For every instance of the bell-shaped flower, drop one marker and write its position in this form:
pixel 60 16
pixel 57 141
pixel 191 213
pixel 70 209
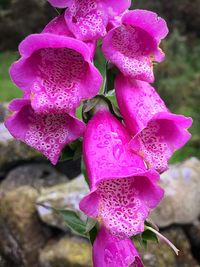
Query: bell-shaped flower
pixel 87 19
pixel 134 45
pixel 109 251
pixel 55 70
pixel 122 191
pixel 48 133
pixel 156 132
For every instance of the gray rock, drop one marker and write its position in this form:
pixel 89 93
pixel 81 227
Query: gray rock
pixel 66 252
pixel 69 252
pixel 161 255
pixel 193 234
pixel 181 203
pixel 36 175
pixel 2 262
pixel 12 150
pixel 62 196
pixel 21 233
pixel 3 111
pixel 14 27
pixel 5 135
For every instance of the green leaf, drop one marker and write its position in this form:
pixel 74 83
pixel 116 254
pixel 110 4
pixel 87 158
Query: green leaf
pixel 90 224
pixel 149 236
pixel 73 221
pixel 143 238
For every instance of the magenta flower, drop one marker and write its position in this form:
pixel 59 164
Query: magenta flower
pixel 134 45
pixel 58 26
pixel 56 72
pixel 60 3
pixel 157 132
pixel 109 251
pixel 48 133
pixel 122 191
pixel 87 19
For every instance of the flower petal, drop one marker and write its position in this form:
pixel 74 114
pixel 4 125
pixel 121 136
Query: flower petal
pixel 58 26
pixel 88 19
pixel 157 132
pixel 56 71
pixel 148 21
pixel 111 251
pixel 133 45
pixel 60 3
pixel 104 149
pixel 123 204
pixel 46 133
pixel 122 191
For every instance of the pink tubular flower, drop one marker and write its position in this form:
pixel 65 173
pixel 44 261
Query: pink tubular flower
pixel 109 251
pixel 87 19
pixel 157 132
pixel 135 44
pixel 56 71
pixel 122 190
pixel 48 133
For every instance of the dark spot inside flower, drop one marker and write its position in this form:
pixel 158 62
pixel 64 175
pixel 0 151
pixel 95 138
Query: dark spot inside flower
pixel 74 20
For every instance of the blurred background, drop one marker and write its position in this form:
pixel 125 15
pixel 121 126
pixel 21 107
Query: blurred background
pixel 31 236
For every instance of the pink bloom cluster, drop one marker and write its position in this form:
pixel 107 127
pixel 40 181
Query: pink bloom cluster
pixel 56 73
pixel 123 159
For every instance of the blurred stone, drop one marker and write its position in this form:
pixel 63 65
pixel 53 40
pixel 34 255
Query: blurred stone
pixel 12 150
pixel 21 233
pixel 5 263
pixel 181 203
pixel 22 17
pixel 193 234
pixel 71 168
pixel 3 111
pixel 36 175
pixel 163 256
pixel 67 252
pixel 5 135
pixel 2 262
pixel 62 196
